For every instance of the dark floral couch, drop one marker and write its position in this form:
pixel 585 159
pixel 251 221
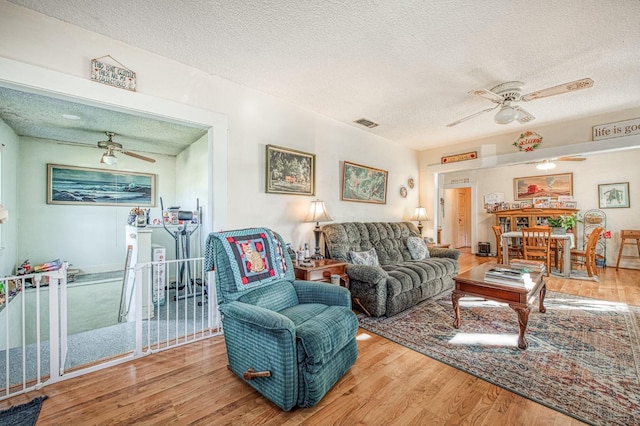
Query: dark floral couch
pixel 399 282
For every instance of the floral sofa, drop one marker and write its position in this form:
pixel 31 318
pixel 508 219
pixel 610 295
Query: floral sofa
pixel 398 281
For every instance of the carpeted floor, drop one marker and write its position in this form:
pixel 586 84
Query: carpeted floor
pixel 583 357
pixel 22 415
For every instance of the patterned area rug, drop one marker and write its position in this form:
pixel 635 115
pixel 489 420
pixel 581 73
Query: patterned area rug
pixel 22 415
pixel 583 357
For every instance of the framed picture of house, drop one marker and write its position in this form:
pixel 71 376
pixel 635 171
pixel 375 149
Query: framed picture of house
pixel 99 187
pixel 290 171
pixel 364 184
pixel 613 195
pixel 547 185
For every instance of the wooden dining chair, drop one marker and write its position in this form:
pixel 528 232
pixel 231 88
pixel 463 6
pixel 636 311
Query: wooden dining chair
pixel 587 256
pixel 515 251
pixel 536 245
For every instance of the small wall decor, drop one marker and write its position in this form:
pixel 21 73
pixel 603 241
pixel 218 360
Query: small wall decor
pixel 613 195
pixel 546 185
pixel 528 141
pixel 411 183
pixel 403 192
pixel 364 184
pixel 99 187
pixel 459 157
pixel 112 75
pixel 290 171
pixel 615 130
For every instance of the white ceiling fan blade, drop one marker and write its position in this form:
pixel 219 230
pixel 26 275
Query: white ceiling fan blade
pixel 524 116
pixel 585 83
pixel 455 123
pixel 138 156
pixel 487 94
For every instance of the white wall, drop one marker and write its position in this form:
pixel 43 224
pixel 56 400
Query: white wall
pixel 8 198
pixel 596 169
pixel 255 120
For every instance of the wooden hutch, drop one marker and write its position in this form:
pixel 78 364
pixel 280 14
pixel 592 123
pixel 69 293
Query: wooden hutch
pixel 516 219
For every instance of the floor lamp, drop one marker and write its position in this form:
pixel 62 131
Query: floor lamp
pixel 420 214
pixel 318 213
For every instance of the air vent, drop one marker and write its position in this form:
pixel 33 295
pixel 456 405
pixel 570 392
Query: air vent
pixel 366 123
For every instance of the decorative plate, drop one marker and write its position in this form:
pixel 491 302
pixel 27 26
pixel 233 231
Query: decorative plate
pixel 410 182
pixel 403 191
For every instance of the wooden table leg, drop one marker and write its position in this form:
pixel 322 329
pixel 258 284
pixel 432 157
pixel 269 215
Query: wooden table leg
pixel 455 297
pixel 523 319
pixel 543 292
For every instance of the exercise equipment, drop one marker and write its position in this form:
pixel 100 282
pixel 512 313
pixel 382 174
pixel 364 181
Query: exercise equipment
pixel 182 239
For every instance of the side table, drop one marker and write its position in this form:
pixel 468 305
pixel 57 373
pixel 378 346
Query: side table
pixel 322 270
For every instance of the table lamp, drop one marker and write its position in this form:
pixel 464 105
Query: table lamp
pixel 420 214
pixel 318 213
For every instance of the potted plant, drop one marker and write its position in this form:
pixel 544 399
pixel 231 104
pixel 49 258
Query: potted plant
pixel 556 225
pixel 562 224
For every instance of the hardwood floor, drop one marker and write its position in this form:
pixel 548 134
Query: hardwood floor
pixel 388 385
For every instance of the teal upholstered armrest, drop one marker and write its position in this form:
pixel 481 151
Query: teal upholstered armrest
pixel 444 252
pixel 257 316
pixel 320 292
pixel 367 273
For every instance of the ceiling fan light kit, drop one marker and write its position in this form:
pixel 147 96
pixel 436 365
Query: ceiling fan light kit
pixel 109 158
pixel 546 165
pixel 506 94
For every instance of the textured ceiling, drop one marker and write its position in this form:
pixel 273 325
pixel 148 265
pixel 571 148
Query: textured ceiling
pixel 406 65
pixel 44 117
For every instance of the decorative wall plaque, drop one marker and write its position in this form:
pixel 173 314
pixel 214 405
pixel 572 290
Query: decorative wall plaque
pixel 112 75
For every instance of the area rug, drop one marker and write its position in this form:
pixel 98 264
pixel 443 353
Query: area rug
pixel 583 357
pixel 22 415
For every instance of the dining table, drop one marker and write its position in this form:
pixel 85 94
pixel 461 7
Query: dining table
pixel 564 239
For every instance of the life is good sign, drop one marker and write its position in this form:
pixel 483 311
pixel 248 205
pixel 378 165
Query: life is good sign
pixel 617 129
pixel 113 75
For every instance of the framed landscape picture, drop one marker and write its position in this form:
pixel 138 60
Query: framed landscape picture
pixel 290 171
pixel 613 195
pixel 364 184
pixel 99 187
pixel 548 185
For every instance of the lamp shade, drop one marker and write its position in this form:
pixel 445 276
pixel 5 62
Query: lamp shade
pixel 506 115
pixel 420 214
pixel 318 212
pixel 546 165
pixel 109 158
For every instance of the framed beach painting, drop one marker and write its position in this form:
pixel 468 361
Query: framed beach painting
pixel 364 184
pixel 613 195
pixel 99 187
pixel 547 185
pixel 290 171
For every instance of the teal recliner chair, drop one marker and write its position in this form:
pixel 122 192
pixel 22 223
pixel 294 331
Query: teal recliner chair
pixel 290 340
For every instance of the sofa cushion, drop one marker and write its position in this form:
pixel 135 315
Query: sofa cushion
pixel 368 257
pixel 417 248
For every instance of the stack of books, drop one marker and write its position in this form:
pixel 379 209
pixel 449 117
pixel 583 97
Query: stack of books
pixel 509 276
pixel 528 265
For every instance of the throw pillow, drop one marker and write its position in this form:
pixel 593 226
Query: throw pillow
pixel 417 248
pixel 369 257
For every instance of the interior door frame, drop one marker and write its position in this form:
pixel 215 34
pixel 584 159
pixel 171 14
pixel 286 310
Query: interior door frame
pixel 473 208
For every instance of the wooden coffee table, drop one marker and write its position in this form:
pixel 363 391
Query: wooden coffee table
pixel 472 283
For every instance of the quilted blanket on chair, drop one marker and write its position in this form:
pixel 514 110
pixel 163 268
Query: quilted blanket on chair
pixel 256 256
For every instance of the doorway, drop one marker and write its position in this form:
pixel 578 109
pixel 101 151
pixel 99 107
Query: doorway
pixel 456 214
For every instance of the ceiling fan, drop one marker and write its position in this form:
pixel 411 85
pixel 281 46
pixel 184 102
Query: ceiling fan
pixel 505 96
pixel 549 164
pixel 109 158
